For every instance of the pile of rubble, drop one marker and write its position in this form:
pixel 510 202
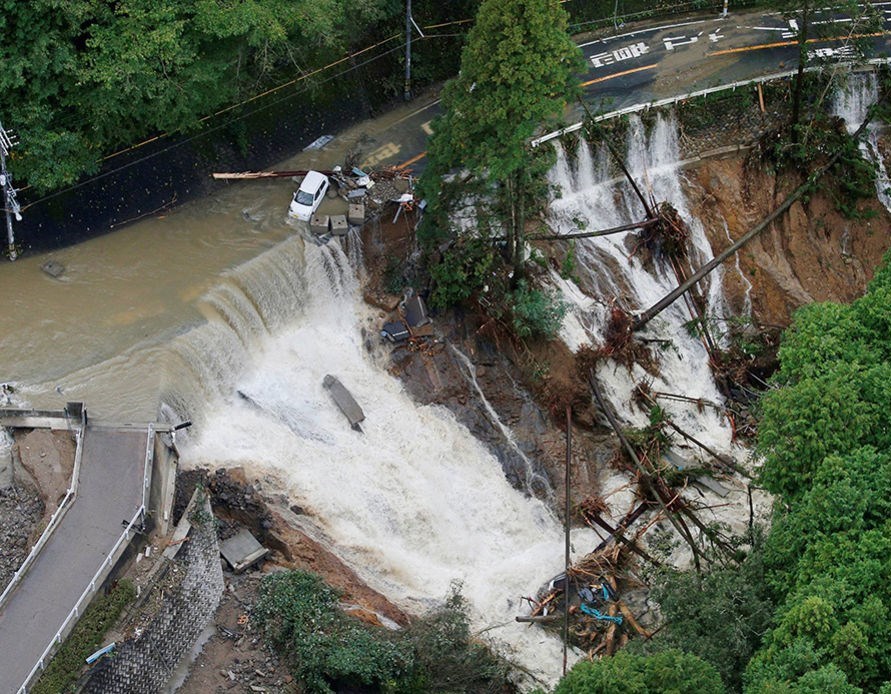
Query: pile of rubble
pixel 20 513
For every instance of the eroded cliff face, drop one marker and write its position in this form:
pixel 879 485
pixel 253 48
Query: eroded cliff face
pixel 812 253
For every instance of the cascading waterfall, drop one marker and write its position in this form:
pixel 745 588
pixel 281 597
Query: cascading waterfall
pixel 412 503
pixel 851 102
pixel 536 483
pixel 609 272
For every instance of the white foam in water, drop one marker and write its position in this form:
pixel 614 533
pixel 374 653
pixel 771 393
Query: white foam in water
pixel 414 502
pixel 852 102
pixel 610 273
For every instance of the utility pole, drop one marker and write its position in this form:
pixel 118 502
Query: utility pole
pixel 408 22
pixel 10 204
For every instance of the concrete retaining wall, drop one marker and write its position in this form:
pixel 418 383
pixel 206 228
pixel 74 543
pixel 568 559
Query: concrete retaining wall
pixel 144 665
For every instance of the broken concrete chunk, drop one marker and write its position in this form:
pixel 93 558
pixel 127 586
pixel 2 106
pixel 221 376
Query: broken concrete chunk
pixel 356 214
pixel 345 401
pixel 242 550
pixel 53 268
pixel 319 224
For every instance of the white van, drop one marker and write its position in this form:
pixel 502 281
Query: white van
pixel 309 195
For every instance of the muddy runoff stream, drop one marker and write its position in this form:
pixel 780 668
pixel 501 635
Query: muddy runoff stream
pixel 220 313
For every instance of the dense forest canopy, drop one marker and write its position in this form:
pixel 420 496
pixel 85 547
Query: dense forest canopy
pixel 83 78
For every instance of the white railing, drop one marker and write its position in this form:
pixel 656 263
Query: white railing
pixel 682 97
pixel 147 467
pixel 107 564
pixel 84 598
pixel 55 519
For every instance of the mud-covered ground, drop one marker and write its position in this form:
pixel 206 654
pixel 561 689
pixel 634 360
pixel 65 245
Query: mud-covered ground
pixel 34 481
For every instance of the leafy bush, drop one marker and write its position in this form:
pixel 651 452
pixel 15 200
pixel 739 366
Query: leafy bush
pixel 301 618
pixel 824 436
pixel 86 638
pixel 303 621
pixel 535 312
pixel 447 658
pixel 720 616
pixel 669 672
pixel 462 272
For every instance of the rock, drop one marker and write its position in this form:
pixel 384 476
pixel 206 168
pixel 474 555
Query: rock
pixel 53 268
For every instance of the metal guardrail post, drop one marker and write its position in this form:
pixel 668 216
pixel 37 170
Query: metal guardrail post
pixel 147 466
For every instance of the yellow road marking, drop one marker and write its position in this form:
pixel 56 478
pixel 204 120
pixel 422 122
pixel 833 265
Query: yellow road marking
pixel 416 158
pixel 390 149
pixel 780 44
pixel 619 74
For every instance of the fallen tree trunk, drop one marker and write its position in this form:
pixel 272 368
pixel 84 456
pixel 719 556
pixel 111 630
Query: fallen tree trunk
pixel 642 319
pixel 647 474
pixel 594 234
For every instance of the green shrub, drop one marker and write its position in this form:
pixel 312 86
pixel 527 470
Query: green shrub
pixel 535 313
pixel 669 672
pixel 302 620
pixel 463 271
pixel 825 435
pixel 448 659
pixel 720 616
pixel 86 638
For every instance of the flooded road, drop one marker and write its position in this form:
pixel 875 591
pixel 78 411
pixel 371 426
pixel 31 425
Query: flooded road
pixel 98 333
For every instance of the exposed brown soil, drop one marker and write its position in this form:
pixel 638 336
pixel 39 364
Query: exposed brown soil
pixel 48 458
pixel 42 463
pixel 813 253
pixel 235 658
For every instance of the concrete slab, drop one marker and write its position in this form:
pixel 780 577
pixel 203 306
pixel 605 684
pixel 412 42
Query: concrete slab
pixel 319 224
pixel 242 550
pixel 345 401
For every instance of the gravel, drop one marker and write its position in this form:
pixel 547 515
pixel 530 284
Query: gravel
pixel 20 513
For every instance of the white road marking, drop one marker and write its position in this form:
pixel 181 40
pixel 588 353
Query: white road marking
pixel 642 31
pixel 625 53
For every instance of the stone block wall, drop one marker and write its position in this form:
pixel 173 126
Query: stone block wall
pixel 143 665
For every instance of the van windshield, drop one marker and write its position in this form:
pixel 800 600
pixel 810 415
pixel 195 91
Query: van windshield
pixel 304 198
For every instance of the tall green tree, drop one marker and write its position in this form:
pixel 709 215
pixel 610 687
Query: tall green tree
pixel 824 436
pixel 518 71
pixel 82 77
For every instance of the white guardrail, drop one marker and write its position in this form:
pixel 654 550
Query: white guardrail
pixel 684 97
pixel 81 601
pixel 110 559
pixel 70 496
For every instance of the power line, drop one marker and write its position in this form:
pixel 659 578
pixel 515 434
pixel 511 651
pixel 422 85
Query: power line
pixel 202 133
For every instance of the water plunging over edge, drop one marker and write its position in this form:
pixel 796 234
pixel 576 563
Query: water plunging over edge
pixel 413 503
pixel 609 273
pixel 852 102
